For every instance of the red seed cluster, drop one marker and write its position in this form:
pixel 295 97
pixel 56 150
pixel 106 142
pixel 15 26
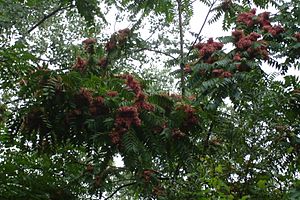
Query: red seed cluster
pixel 112 93
pixel 226 74
pixel 221 73
pixel 133 84
pixel 89 45
pixel 273 30
pixel 207 49
pixel 97 106
pixel 147 174
pixel 177 134
pixel 245 43
pixel 84 97
pixel 80 64
pixel 141 103
pixel 260 51
pixel 247 18
pixel 159 128
pixel 103 62
pixel 123 35
pixel 297 36
pixel 237 57
pixel 191 119
pixel 115 136
pixel 263 19
pixel 127 116
pixel 111 44
pixel 187 69
pixel 89 41
pixel 116 39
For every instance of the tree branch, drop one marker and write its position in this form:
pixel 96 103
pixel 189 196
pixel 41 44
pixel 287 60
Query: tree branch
pixel 60 8
pixel 181 47
pixel 119 188
pixel 206 142
pixel 201 29
pixel 155 51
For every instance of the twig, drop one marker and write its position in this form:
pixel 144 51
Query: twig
pixel 206 142
pixel 201 29
pixel 46 17
pixel 181 47
pixel 138 22
pixel 119 188
pixel 156 51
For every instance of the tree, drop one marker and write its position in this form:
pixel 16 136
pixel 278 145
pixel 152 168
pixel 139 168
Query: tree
pixel 228 131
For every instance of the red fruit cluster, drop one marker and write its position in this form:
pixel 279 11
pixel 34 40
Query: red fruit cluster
pixel 190 120
pixel 89 41
pixel 133 84
pixel 160 128
pixel 187 69
pixel 112 93
pixel 263 20
pixel 207 49
pixel 247 17
pixel 123 35
pixel 97 106
pixel 240 67
pixel 158 191
pixel 177 134
pixel 127 116
pixel 116 39
pixel 260 51
pixel 221 73
pixel 237 57
pixel 33 120
pixel 90 168
pixel 141 103
pixel 111 44
pixel 297 36
pixel 89 45
pixel 250 19
pixel 80 64
pixel 83 98
pixel 243 42
pixel 147 174
pixel 115 135
pixel 274 30
pixel 103 62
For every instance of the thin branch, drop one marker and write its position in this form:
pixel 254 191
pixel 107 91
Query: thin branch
pixel 179 3
pixel 60 8
pixel 119 188
pixel 206 142
pixel 201 29
pixel 156 51
pixel 138 22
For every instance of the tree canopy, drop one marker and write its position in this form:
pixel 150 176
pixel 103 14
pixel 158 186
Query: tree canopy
pixel 149 110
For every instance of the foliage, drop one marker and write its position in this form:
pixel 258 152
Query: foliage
pixel 68 111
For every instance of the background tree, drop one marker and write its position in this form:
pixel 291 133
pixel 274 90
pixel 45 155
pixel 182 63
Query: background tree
pixel 67 110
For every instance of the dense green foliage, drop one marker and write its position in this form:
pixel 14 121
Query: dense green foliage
pixel 70 113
